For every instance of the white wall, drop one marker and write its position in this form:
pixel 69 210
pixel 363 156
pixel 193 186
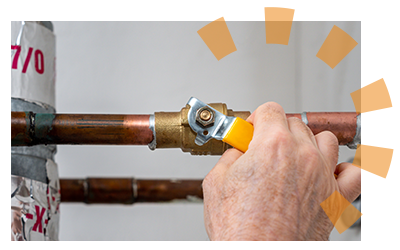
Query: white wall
pixel 143 67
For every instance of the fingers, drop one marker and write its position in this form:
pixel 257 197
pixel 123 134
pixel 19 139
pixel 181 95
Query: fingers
pixel 223 164
pixel 300 130
pixel 329 147
pixel 349 180
pixel 270 117
pixel 267 118
pixel 228 158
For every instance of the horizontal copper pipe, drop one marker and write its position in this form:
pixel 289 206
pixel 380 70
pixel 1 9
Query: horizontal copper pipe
pixel 342 124
pixel 30 129
pixel 20 129
pixel 128 190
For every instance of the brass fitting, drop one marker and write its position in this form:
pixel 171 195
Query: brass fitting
pixel 173 131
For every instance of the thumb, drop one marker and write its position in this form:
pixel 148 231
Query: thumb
pixel 349 180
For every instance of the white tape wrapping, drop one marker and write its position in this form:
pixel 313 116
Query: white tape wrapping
pixel 35 207
pixel 32 62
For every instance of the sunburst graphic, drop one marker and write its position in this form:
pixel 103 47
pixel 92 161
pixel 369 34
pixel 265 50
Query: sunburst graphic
pixel 337 45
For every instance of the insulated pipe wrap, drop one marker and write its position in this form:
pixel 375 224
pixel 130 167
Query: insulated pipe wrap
pixel 35 195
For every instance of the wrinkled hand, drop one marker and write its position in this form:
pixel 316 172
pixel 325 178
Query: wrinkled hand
pixel 274 190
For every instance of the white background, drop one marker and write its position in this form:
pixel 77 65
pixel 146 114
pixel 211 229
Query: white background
pixel 142 67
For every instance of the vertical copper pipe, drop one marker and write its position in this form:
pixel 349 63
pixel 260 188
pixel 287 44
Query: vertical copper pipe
pixel 128 190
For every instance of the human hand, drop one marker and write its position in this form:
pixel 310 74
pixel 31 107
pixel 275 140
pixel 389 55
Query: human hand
pixel 274 190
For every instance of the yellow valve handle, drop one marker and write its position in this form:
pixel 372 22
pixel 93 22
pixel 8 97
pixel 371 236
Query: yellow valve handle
pixel 239 135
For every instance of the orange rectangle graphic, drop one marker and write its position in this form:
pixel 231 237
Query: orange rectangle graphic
pixel 278 24
pixel 372 97
pixel 336 46
pixel 217 37
pixel 340 211
pixel 373 159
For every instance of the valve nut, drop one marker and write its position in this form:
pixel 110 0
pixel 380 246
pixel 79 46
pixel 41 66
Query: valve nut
pixel 205 116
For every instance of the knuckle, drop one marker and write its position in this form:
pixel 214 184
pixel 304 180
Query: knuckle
pixel 298 123
pixel 272 107
pixel 208 181
pixel 332 137
pixel 268 107
pixel 278 137
pixel 282 135
pixel 279 141
pixel 213 179
pixel 310 153
pixel 294 121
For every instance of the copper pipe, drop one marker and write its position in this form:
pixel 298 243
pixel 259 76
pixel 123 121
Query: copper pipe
pixel 30 129
pixel 20 129
pixel 168 190
pixel 128 190
pixel 172 130
pixel 342 124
